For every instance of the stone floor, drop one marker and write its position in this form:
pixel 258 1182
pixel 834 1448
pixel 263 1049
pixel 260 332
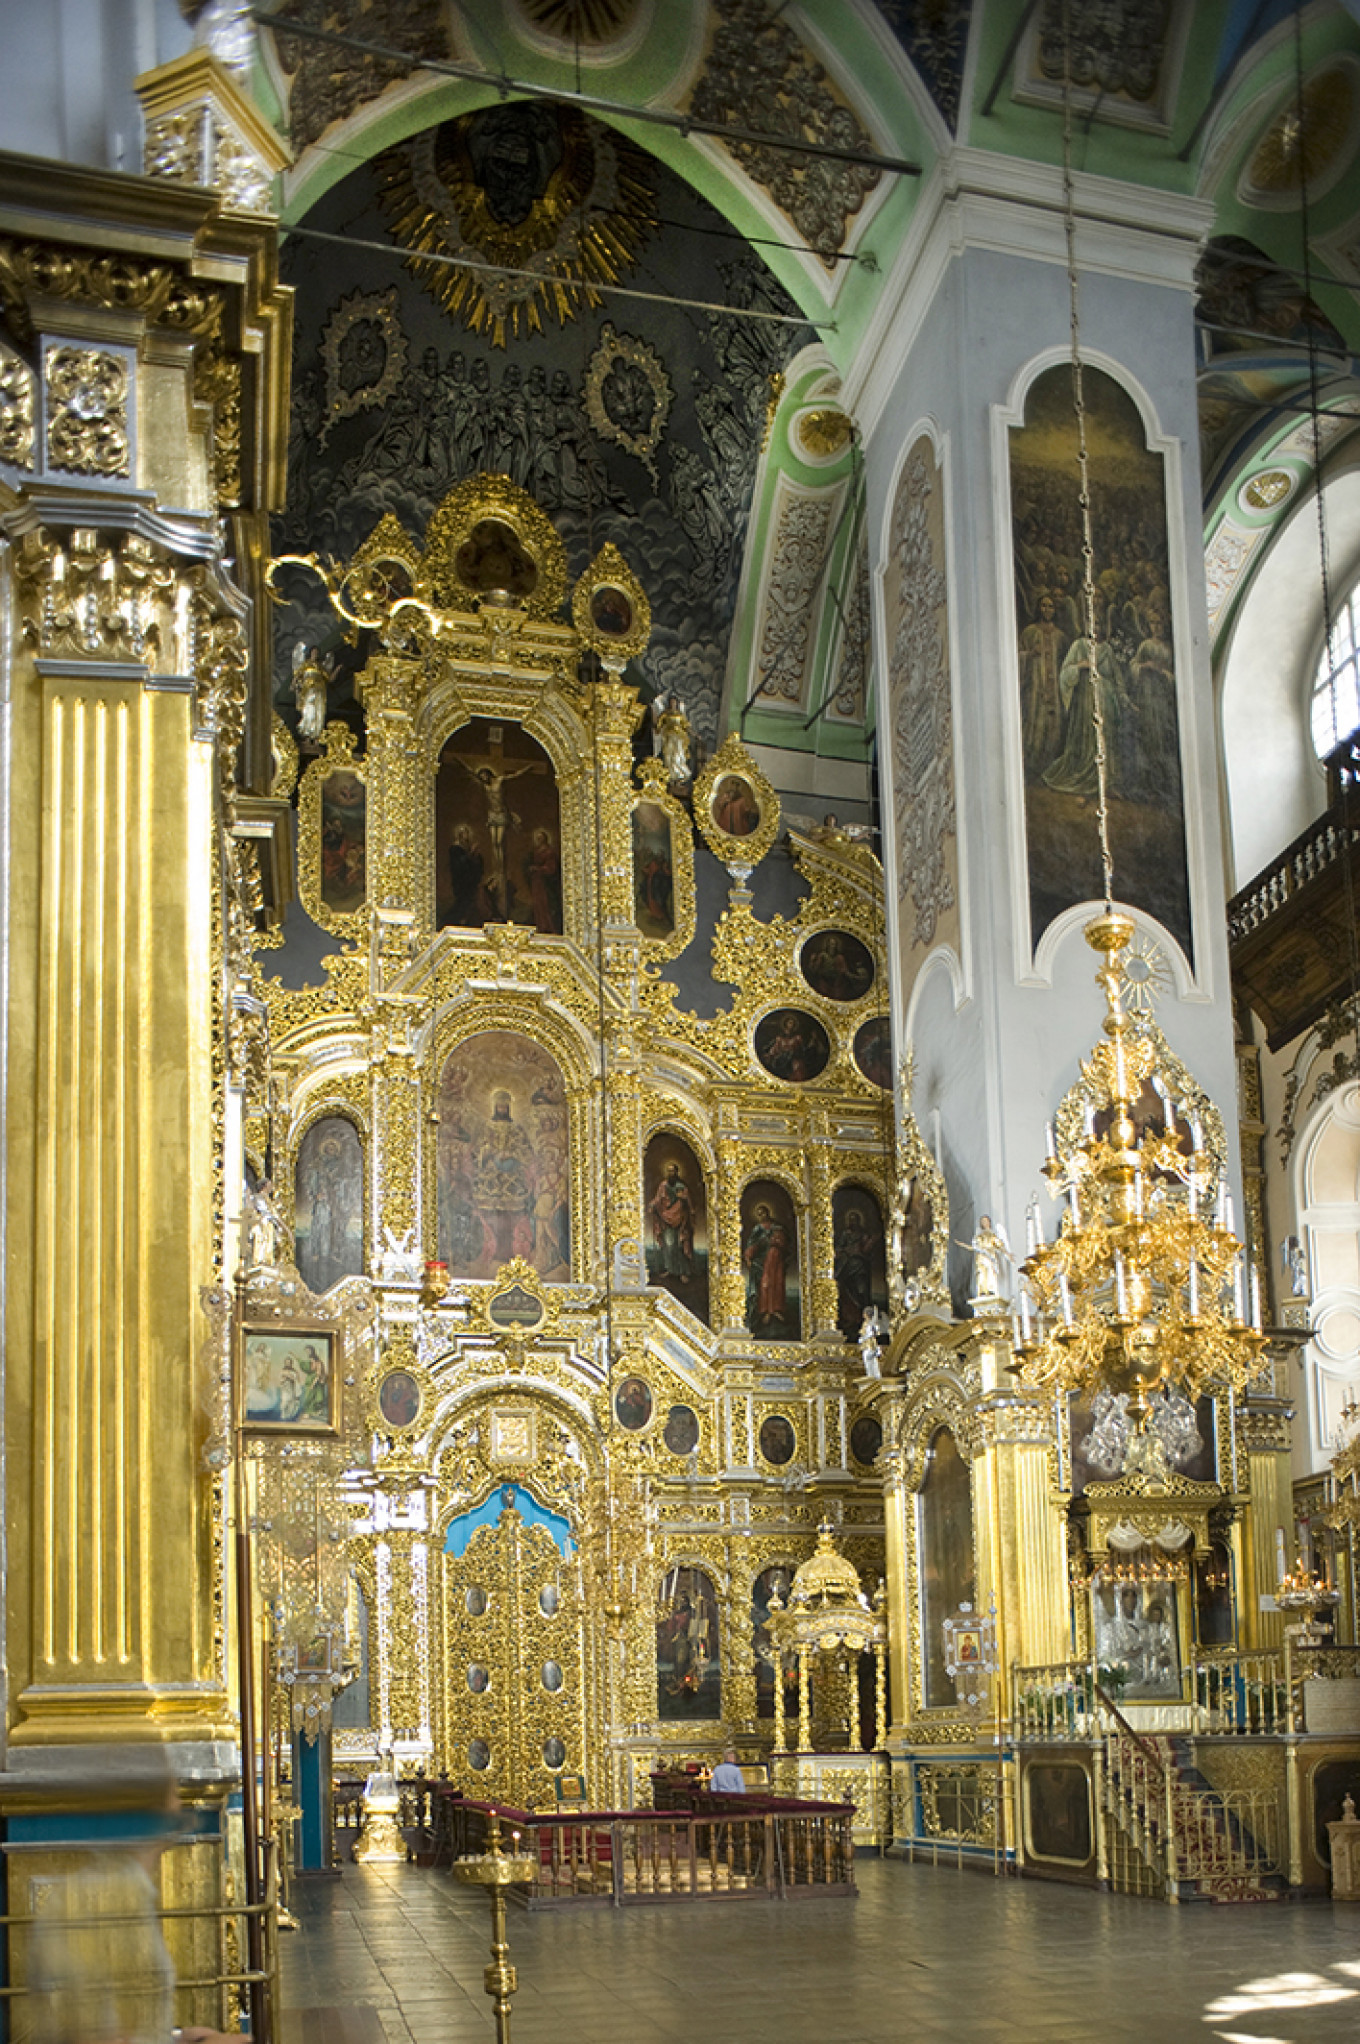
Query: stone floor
pixel 919 1954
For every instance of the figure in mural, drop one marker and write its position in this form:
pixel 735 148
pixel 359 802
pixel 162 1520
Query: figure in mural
pixel 688 1669
pixel 672 1213
pixel 1133 673
pixel 853 1272
pixel 676 1222
pixel 766 1253
pixel 503 1167
pixel 328 1203
pixel 1043 646
pixel 1073 772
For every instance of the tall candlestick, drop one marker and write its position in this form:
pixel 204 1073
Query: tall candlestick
pixel 1280 1569
pixel 1255 1298
pixel 1238 1315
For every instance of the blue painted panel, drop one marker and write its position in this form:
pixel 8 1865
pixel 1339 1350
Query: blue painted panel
pixel 489 1513
pixel 312 1775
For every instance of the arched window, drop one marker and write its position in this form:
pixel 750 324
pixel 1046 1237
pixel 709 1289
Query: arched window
pixel 1335 707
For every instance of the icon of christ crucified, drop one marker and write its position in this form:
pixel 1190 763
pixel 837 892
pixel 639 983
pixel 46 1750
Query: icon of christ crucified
pixel 491 773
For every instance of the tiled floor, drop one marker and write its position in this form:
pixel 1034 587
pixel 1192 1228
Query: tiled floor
pixel 919 1955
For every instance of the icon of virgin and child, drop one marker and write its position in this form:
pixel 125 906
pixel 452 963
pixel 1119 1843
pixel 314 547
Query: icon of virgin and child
pixel 503 1181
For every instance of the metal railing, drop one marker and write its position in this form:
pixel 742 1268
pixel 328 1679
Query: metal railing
pixel 1245 1695
pixel 231 1982
pixel 1188 1838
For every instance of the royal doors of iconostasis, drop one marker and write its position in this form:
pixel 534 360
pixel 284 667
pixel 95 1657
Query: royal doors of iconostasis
pixel 514 1668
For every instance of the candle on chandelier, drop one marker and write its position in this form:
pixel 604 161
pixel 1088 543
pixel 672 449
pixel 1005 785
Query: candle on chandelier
pixel 1280 1569
pixel 1065 1295
pixel 1024 1319
pixel 1256 1298
pixel 1050 1143
pixel 1238 1315
pixel 1120 1299
pixel 1194 1289
pixel 1033 1233
pixel 1074 1201
pixel 1196 1134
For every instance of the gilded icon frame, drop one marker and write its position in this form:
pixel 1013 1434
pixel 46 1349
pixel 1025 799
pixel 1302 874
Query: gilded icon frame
pixel 338 758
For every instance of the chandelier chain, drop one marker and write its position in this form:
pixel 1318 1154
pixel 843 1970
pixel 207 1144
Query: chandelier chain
pixel 1088 587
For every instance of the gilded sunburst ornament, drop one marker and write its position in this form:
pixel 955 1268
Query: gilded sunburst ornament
pixel 1146 976
pixel 536 187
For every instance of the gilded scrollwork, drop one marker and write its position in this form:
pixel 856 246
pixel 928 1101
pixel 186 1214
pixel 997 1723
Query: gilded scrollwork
pixel 18 406
pixel 88 428
pixel 918 1225
pixel 518 557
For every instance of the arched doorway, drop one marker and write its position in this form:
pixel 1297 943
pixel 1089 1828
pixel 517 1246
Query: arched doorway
pixel 514 1673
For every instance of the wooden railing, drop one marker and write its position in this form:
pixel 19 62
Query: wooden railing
pixel 739 1846
pixel 1316 848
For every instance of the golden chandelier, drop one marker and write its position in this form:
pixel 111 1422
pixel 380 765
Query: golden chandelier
pixel 1142 1288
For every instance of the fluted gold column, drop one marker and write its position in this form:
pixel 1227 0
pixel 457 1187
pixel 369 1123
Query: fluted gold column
pixel 1263 1429
pixel 1018 1530
pixel 129 901
pixel 111 1224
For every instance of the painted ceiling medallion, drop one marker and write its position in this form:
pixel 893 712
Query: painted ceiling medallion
pixel 1263 492
pixel 822 432
pixel 582 21
pixel 533 186
pixel 629 395
pixel 1319 145
pixel 364 352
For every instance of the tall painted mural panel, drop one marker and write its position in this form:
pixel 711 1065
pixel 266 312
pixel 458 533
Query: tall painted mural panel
pixel 1133 675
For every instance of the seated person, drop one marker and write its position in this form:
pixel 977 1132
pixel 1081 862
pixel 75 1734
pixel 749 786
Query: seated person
pixel 728 1779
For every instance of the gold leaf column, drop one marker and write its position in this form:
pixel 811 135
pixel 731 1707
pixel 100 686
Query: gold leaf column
pixel 127 896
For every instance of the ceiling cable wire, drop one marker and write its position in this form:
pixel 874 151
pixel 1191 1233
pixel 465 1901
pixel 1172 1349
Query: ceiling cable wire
pixel 506 87
pixel 572 285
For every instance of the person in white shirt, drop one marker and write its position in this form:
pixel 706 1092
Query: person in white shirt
pixel 728 1779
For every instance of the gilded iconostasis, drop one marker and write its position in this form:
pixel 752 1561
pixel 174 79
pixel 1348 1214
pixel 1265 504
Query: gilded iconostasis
pixel 583 1069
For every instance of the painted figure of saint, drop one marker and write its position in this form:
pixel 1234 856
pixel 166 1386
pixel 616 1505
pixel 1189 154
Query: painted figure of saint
pixel 853 1272
pixel 766 1259
pixel 672 1212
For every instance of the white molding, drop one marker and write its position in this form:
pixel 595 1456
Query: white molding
pixel 944 958
pixel 788 489
pixel 975 199
pixel 1042 972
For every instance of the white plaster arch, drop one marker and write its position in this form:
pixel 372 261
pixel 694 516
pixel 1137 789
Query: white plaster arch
pixel 1204 880
pixel 1325 1188
pixel 1274 783
pixel 1075 919
pixel 944 962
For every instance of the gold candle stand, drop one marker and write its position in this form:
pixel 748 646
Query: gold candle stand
pixel 496 1871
